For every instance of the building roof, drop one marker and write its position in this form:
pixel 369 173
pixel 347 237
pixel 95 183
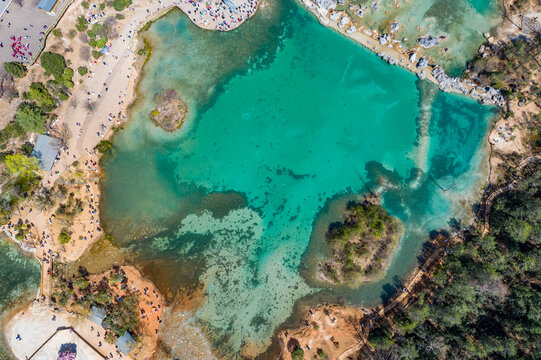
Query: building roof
pixel 45 151
pixel 47 5
pixel 125 343
pixel 97 314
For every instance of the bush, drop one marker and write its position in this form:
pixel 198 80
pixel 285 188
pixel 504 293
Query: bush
pixel 57 32
pixel 81 24
pixel 96 54
pixel 85 4
pixel 119 16
pixel 82 70
pixel 15 69
pixel 29 117
pixel 72 33
pixel 64 237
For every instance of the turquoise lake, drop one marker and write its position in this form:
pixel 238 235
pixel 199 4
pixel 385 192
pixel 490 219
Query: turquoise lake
pixel 286 117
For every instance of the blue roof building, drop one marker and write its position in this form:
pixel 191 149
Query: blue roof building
pixel 45 151
pixel 125 343
pixel 47 5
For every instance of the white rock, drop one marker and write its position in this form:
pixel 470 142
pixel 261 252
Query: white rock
pixel 351 29
pixel 343 22
pixel 413 57
pixel 335 15
pixel 395 26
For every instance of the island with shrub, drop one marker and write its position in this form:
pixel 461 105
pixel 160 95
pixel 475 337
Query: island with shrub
pixel 361 245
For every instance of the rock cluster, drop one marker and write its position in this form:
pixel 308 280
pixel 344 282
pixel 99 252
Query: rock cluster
pixel 428 42
pixel 423 62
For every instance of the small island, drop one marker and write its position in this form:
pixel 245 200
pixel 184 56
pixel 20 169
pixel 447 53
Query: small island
pixel 360 246
pixel 170 110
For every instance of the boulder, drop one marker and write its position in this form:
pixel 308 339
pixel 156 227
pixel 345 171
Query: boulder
pixel 423 62
pixel 428 42
pixel 395 26
pixel 351 29
pixel 413 57
pixel 343 21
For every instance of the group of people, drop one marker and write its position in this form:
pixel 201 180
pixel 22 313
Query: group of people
pixel 226 13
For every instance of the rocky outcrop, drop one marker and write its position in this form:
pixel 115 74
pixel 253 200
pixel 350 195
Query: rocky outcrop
pixel 170 110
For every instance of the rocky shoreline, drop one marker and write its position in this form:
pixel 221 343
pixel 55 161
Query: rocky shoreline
pixel 390 49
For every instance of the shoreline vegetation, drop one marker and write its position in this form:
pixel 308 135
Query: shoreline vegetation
pixel 362 245
pixel 64 95
pixel 476 293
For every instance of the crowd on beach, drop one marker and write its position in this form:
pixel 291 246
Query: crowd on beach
pixel 227 14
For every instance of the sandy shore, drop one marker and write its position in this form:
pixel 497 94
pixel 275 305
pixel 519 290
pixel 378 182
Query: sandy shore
pixel 97 106
pixel 35 325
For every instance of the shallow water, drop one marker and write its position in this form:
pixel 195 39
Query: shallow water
pixel 19 282
pixel 463 22
pixel 285 116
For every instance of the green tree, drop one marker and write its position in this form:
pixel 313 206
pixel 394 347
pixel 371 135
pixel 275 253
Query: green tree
pixel 41 96
pixel 64 237
pixel 82 70
pixel 81 24
pixel 15 69
pixel 21 165
pixel 29 117
pixel 53 64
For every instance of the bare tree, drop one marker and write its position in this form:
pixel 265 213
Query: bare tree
pixel 65 134
pixel 84 53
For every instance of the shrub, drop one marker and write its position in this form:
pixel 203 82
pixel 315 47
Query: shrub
pixel 82 70
pixel 85 4
pixel 72 33
pixel 15 69
pixel 64 237
pixel 297 354
pixel 57 32
pixel 96 54
pixel 12 130
pixel 120 5
pixel 104 146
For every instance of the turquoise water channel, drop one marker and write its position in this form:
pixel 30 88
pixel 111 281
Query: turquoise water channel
pixel 285 116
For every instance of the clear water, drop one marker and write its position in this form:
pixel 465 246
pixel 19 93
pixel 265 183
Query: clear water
pixel 463 22
pixel 285 116
pixel 19 282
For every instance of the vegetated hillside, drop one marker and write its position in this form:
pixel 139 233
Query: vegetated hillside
pixel 484 302
pixel 361 245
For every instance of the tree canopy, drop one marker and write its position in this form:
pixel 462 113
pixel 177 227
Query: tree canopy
pixel 21 165
pixel 30 117
pixel 15 69
pixel 484 302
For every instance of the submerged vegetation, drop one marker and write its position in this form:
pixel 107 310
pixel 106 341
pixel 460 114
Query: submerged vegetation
pixel 484 301
pixel 362 244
